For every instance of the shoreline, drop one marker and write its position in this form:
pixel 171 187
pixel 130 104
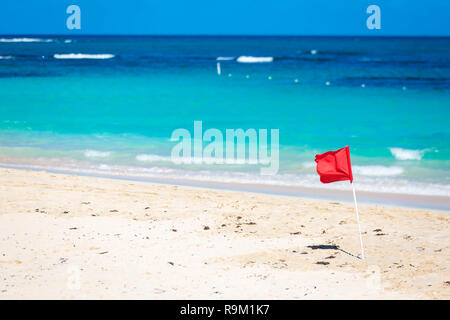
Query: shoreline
pixel 369 197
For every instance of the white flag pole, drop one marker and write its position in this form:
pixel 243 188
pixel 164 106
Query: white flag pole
pixel 359 225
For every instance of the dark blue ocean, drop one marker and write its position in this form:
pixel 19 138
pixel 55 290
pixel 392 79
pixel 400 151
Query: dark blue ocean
pixel 108 105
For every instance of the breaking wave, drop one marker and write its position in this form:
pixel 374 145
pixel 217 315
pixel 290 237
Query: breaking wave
pixel 249 59
pixel 25 40
pixel 407 154
pixel 83 56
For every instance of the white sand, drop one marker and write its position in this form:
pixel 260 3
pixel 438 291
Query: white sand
pixel 65 236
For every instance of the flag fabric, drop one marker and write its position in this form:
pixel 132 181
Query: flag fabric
pixel 334 166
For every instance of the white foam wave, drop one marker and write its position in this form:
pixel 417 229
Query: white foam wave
pixel 83 56
pixel 225 58
pixel 249 59
pixel 378 171
pixel 25 40
pixel 395 185
pixel 6 57
pixel 96 154
pixel 373 184
pixel 407 154
pixel 369 171
pixel 202 160
pixel 152 158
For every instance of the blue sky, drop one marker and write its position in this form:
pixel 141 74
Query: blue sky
pixel 227 17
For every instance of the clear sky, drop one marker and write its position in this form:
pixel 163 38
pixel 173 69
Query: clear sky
pixel 227 17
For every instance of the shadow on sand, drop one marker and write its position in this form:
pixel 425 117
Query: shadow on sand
pixel 331 247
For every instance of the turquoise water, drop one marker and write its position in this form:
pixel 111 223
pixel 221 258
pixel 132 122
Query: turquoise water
pixel 388 99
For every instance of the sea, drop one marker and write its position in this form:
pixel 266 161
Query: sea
pixel 108 105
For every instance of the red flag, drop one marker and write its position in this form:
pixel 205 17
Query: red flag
pixel 334 166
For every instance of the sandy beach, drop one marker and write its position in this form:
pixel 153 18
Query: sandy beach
pixel 73 237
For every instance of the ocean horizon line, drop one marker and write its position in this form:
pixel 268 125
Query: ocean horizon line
pixel 226 36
